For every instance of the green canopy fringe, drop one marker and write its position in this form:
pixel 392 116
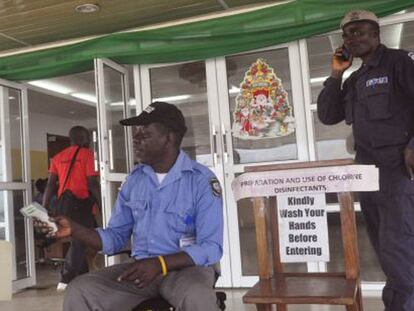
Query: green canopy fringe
pixel 197 40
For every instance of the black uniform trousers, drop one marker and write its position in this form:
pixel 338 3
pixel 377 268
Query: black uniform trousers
pixel 389 215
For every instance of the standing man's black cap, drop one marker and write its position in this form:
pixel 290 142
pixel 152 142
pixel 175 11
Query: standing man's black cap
pixel 160 112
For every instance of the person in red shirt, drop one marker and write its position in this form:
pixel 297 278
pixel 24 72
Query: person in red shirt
pixel 83 183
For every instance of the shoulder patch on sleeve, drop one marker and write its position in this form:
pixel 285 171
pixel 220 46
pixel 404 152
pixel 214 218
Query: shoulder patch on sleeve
pixel 411 55
pixel 215 187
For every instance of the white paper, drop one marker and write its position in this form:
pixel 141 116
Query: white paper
pixel 303 228
pixel 38 211
pixel 309 180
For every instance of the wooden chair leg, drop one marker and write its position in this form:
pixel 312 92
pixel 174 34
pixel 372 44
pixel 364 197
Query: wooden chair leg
pixel 263 307
pixel 359 300
pixel 280 307
pixel 353 307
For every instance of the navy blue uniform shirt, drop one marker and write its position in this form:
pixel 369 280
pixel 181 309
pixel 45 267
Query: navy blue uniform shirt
pixel 378 100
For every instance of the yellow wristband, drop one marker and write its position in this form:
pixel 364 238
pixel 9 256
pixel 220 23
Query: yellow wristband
pixel 163 265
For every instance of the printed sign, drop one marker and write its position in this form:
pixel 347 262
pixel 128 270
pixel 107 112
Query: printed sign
pixel 303 228
pixel 306 181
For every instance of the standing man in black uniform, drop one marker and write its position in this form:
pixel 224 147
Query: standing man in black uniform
pixel 378 101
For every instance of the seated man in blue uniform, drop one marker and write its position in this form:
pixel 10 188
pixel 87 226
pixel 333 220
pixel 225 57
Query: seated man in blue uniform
pixel 171 208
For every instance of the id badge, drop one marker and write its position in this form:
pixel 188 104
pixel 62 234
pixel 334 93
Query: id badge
pixel 187 240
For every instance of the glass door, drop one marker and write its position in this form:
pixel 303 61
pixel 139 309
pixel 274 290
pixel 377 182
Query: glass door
pixel 263 122
pixel 193 88
pixel 114 140
pixel 15 183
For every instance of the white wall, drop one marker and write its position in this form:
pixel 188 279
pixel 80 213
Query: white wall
pixel 40 125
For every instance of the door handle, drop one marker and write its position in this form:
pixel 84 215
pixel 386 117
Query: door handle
pixel 95 150
pixel 111 150
pixel 224 136
pixel 214 149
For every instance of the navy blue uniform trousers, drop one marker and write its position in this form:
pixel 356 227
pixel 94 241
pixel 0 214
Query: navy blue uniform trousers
pixel 389 215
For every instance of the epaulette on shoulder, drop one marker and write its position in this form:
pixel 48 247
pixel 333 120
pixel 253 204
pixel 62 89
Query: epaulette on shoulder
pixel 203 170
pixel 136 168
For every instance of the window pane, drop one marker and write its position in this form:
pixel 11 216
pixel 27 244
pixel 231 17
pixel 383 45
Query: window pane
pixel 2 233
pixel 14 201
pixel 248 240
pixel 12 137
pixel 333 141
pixel 115 187
pixel 114 107
pixel 185 85
pixel 51 116
pixel 370 268
pixel 320 51
pixel 261 107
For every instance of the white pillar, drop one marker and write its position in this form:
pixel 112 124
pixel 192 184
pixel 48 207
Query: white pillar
pixel 6 268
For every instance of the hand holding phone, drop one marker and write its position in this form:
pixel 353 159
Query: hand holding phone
pixel 341 61
pixel 345 54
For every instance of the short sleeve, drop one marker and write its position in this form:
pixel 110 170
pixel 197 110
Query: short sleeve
pixel 53 167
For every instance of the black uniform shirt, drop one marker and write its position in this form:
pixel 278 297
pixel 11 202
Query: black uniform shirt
pixel 378 100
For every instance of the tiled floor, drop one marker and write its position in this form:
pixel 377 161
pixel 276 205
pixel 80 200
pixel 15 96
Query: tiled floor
pixel 49 300
pixel 234 303
pixel 44 298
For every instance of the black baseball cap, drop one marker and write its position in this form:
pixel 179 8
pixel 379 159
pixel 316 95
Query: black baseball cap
pixel 160 112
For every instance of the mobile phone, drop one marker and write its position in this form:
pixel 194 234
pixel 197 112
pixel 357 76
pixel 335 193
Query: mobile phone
pixel 346 55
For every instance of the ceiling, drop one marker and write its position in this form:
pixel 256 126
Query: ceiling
pixel 134 13
pixel 26 23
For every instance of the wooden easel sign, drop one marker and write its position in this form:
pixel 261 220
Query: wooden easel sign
pixel 299 232
pixel 303 228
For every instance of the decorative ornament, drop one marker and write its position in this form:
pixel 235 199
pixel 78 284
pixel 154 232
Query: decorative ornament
pixel 262 106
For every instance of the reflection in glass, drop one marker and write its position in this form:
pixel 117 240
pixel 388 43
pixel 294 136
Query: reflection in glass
pixel 115 187
pixel 405 35
pixel 2 233
pixel 320 51
pixel 14 201
pixel 2 210
pixel 333 141
pixel 12 136
pixel 370 268
pixel 185 85
pixel 132 102
pixel 114 107
pixel 248 240
pixel 261 107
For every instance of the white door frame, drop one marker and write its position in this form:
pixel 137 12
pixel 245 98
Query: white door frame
pixel 24 185
pixel 105 139
pixel 230 169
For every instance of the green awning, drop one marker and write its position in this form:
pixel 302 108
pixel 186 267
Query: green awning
pixel 197 40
